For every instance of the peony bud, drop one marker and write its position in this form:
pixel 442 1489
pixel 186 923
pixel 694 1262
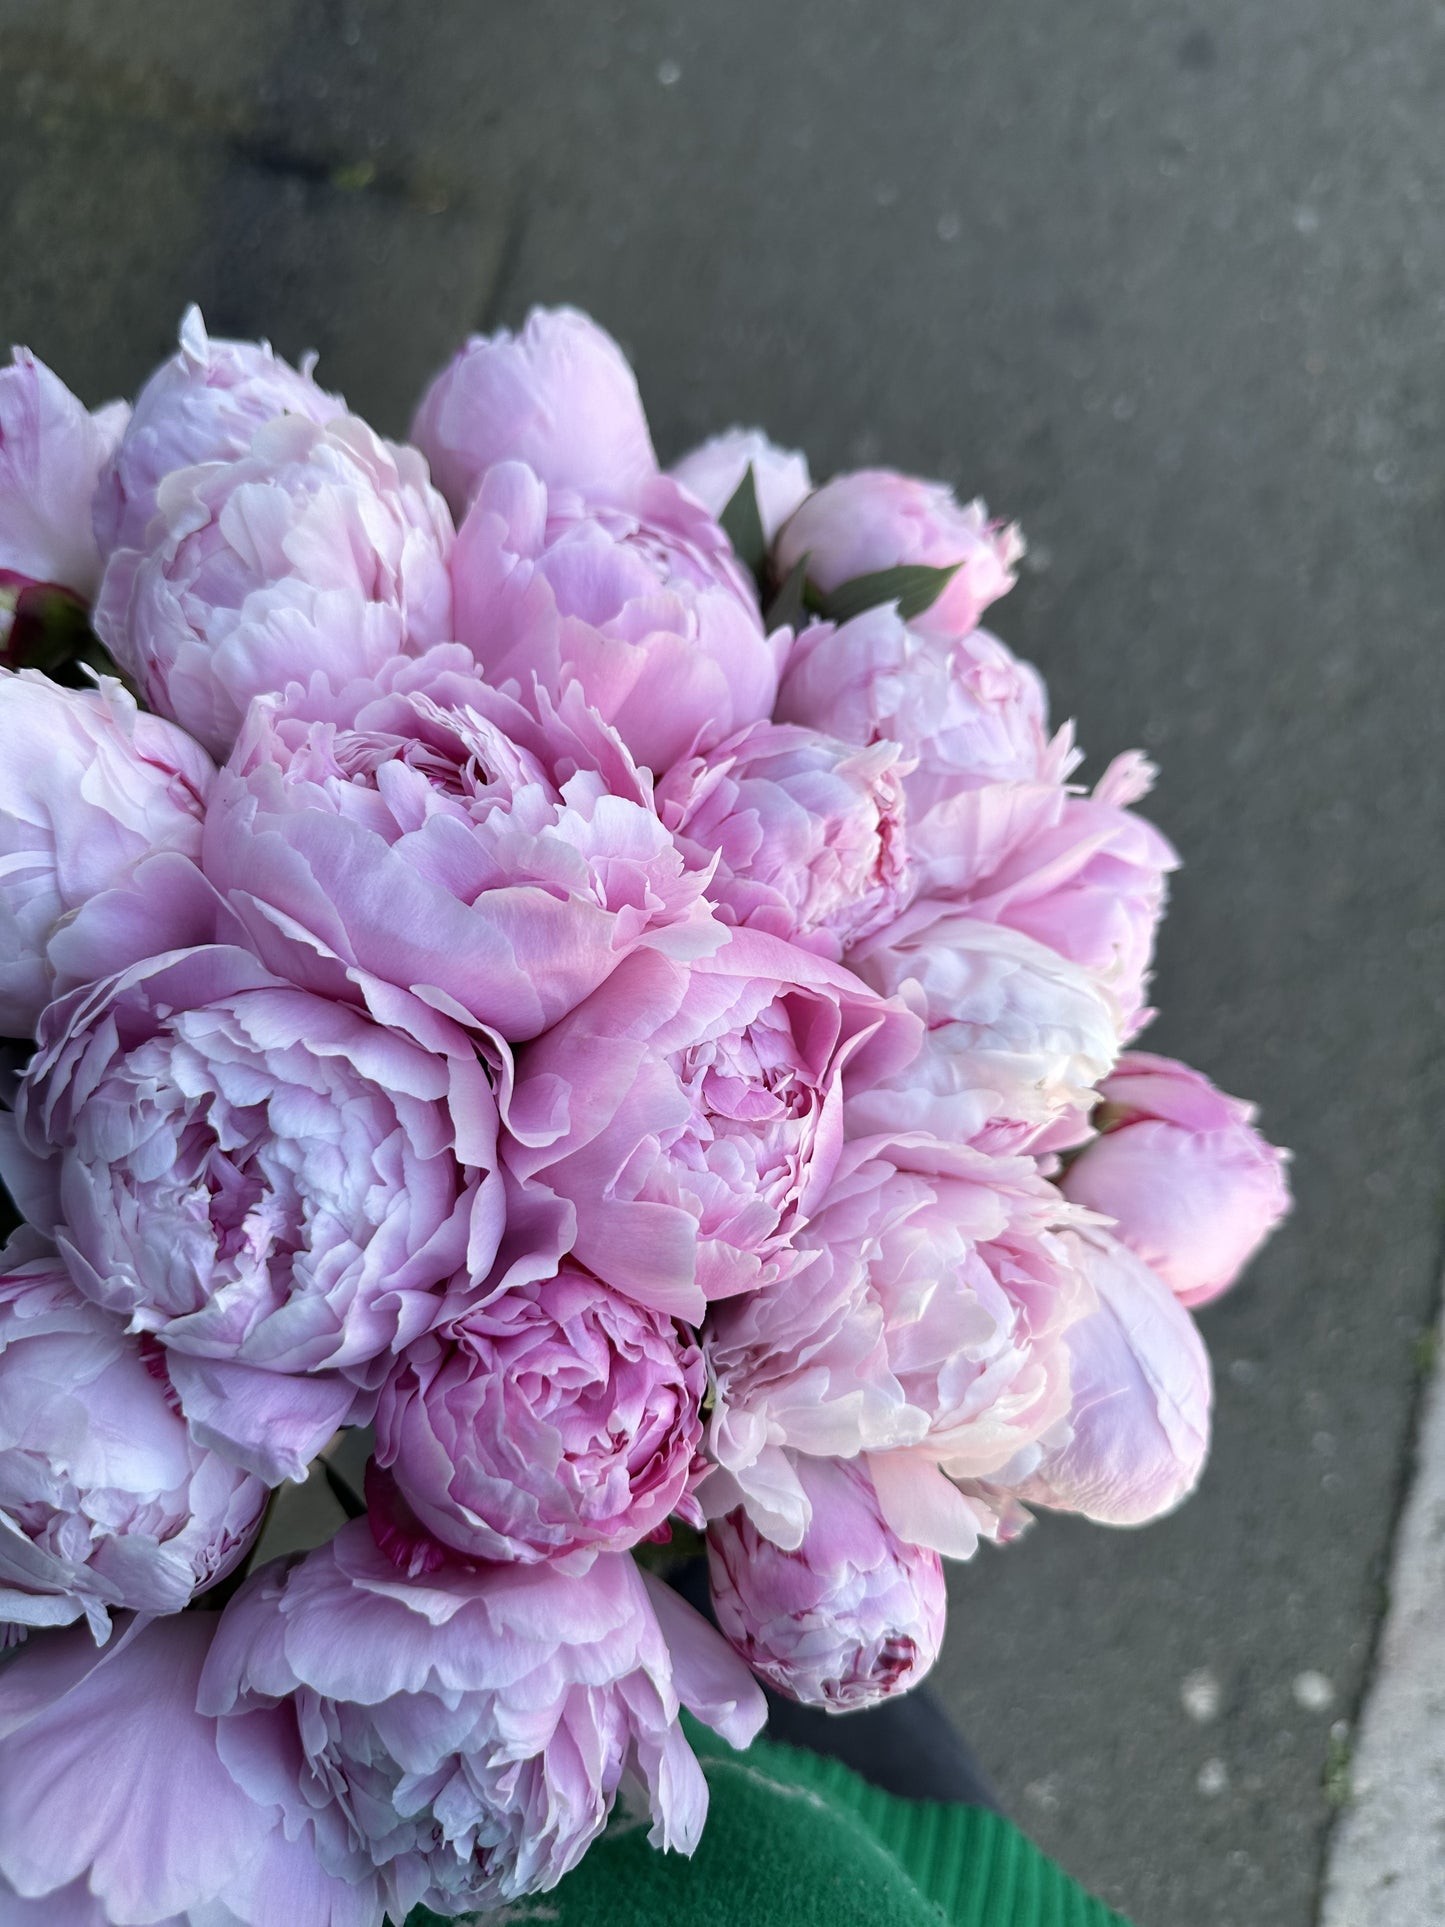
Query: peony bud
pixel 559 396
pixel 1139 1391
pixel 1193 1188
pixel 852 1617
pixel 714 472
pixel 863 523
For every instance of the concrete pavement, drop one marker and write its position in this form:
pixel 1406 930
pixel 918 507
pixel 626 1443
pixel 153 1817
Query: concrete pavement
pixel 1386 1860
pixel 1166 281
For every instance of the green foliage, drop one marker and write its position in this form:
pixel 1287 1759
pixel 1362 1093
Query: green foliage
pixel 790 605
pixel 666 1555
pixel 51 632
pixel 913 586
pixel 742 524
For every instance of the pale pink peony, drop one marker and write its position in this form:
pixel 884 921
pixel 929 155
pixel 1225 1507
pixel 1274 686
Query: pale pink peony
pixel 426 829
pixel 323 548
pixel 1193 1188
pixel 51 454
pixel 1090 885
pixel 559 396
pixel 971 717
pixel 1138 1421
pixel 462 1737
pixel 270 1182
pixel 929 1320
pixel 642 602
pixel 203 405
pixel 808 832
pixel 558 1420
pixel 850 1617
pixel 874 519
pixel 116 1809
pixel 105 1499
pixel 692 1117
pixel 713 474
pixel 90 788
pixel 1017 1036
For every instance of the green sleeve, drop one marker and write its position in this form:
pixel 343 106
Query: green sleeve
pixel 794 1840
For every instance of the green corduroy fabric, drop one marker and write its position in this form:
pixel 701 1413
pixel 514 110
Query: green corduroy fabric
pixel 794 1840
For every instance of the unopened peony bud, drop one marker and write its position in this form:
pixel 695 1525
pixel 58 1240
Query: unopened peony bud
pixel 559 396
pixel 874 519
pixel 850 1618
pixel 714 472
pixel 1192 1186
pixel 1139 1389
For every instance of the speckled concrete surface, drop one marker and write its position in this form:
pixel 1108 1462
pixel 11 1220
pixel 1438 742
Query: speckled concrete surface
pixel 1386 1865
pixel 1165 281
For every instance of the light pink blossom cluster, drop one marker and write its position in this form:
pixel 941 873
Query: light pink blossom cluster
pixel 606 976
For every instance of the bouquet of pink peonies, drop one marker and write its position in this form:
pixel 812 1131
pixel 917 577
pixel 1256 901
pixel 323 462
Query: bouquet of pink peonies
pixel 605 977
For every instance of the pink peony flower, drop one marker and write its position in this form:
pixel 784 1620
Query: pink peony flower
pixel 105 1499
pixel 642 602
pixel 90 788
pixel 556 1420
pixel 559 396
pixel 1193 1188
pixel 808 833
pixel 203 405
pixel 429 830
pixel 692 1117
pixel 930 1319
pixel 863 523
pixel 465 1735
pixel 850 1617
pixel 1139 1398
pixel 51 455
pixel 264 1179
pixel 1090 885
pixel 323 548
pixel 1017 1037
pixel 116 1809
pixel 713 473
pixel 971 718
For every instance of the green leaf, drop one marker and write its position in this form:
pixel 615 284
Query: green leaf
pixel 663 1556
pixel 790 605
pixel 913 586
pixel 49 629
pixel 742 524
